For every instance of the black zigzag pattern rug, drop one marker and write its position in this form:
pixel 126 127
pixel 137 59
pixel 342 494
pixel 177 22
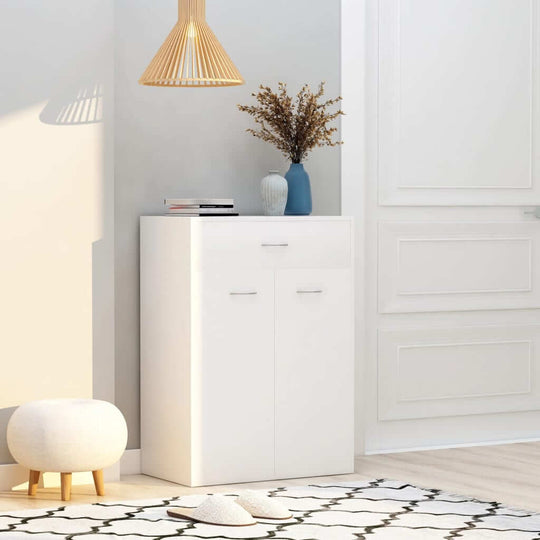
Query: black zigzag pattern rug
pixel 378 510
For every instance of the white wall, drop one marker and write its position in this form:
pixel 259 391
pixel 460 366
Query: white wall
pixel 186 142
pixel 56 202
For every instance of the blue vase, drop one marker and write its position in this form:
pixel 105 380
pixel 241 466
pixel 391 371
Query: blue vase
pixel 299 198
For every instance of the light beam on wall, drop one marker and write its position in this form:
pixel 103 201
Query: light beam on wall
pixel 191 55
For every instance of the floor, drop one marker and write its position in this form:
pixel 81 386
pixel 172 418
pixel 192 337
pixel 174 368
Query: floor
pixel 509 474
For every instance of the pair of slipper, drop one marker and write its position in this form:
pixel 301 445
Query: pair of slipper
pixel 234 512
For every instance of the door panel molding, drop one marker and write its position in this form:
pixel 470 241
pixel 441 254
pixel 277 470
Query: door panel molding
pixel 428 267
pixel 428 373
pixel 426 114
pixel 518 387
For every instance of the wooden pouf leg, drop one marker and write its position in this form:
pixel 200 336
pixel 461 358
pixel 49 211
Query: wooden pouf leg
pixel 65 478
pixel 33 482
pixel 98 482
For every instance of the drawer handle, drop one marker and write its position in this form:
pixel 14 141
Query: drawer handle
pixel 317 291
pixel 250 293
pixel 275 245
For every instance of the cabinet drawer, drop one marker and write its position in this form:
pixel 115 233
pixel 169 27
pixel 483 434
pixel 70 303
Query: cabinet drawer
pixel 280 244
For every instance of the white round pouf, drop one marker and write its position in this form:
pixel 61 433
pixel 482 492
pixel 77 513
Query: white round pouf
pixel 67 435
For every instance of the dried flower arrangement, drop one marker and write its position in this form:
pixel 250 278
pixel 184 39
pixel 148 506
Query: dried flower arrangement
pixel 294 126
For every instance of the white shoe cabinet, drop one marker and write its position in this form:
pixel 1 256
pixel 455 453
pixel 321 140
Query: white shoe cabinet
pixel 247 368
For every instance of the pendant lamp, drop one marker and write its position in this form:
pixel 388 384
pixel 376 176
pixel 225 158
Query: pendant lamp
pixel 191 55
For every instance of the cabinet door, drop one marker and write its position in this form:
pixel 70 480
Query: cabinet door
pixel 314 373
pixel 233 377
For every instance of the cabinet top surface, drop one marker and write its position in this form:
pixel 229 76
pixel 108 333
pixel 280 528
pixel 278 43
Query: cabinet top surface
pixel 252 218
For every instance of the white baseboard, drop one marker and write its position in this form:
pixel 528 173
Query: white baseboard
pixel 447 447
pixel 13 475
pixel 131 462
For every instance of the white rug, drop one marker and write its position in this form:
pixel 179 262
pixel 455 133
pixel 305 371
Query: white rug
pixel 378 510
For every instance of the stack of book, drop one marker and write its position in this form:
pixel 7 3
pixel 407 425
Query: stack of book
pixel 200 207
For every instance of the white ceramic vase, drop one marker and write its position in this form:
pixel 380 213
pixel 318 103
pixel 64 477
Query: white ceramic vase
pixel 274 191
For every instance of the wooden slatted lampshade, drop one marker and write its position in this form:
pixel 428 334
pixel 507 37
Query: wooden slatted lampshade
pixel 191 55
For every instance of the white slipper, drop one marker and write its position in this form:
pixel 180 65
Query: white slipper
pixel 263 507
pixel 216 510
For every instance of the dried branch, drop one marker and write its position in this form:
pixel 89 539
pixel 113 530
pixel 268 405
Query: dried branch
pixel 293 127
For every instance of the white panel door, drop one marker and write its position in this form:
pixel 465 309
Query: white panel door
pixel 314 373
pixel 233 377
pixel 448 147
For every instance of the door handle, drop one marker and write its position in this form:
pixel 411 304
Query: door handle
pixel 535 212
pixel 249 293
pixel 275 245
pixel 316 291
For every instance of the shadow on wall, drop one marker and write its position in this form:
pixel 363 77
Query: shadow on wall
pixel 58 53
pixel 76 106
pixel 80 98
pixel 5 415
